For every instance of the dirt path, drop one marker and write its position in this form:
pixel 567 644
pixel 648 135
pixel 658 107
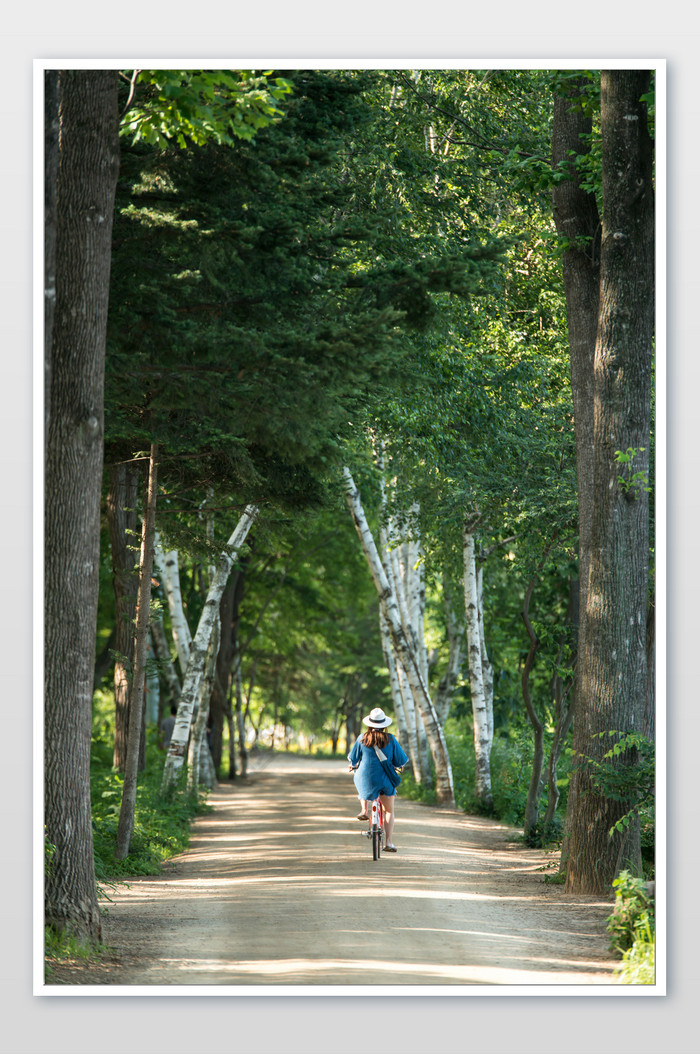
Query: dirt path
pixel 278 888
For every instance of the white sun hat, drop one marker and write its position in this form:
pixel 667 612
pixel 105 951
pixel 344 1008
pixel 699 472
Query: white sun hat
pixel 377 718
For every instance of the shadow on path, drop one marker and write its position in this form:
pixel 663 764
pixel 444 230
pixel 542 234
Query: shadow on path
pixel 278 888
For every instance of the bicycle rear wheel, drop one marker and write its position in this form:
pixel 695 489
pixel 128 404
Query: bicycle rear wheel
pixel 376 843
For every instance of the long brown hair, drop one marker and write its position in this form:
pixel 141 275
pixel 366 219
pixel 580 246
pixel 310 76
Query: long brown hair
pixel 375 737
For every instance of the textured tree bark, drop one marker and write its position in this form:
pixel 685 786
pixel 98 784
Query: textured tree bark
pixel 563 713
pixel 438 747
pixel 535 787
pixel 220 696
pixel 407 734
pixel 483 720
pixel 613 662
pixel 399 576
pixel 486 667
pixel 51 133
pixel 137 701
pixel 649 726
pixel 239 712
pixel 404 705
pixel 170 571
pixel 577 220
pixel 122 518
pixel 198 769
pixel 87 175
pixel 195 667
pixel 448 681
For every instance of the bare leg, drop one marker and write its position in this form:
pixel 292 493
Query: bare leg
pixel 363 808
pixel 389 805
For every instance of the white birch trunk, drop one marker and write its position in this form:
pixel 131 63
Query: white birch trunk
pixel 404 704
pixel 396 696
pixel 207 769
pixel 482 732
pixel 450 678
pixel 414 589
pixel 401 692
pixel 195 668
pixel 170 572
pixel 486 667
pixel 415 575
pixel 416 739
pixel 197 769
pixel 152 684
pixel 419 689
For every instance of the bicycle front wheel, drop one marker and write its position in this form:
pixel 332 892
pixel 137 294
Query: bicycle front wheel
pixel 376 844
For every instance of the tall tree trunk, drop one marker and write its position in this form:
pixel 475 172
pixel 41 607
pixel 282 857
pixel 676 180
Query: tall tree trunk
pixel 197 769
pixel 122 518
pixel 136 709
pixel 535 787
pixel 563 710
pixel 239 711
pixel 404 705
pixel 411 665
pixel 170 573
pixel 395 564
pixel 450 678
pixel 220 701
pixel 486 667
pixel 413 584
pixel 578 222
pixel 483 720
pixel 399 569
pixel 613 664
pixel 407 731
pixel 649 725
pixel 152 707
pixel 51 133
pixel 86 183
pixel 195 667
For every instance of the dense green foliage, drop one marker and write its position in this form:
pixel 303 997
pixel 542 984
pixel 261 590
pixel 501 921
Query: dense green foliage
pixel 638 964
pixel 195 107
pixel 259 295
pixel 161 826
pixel 633 914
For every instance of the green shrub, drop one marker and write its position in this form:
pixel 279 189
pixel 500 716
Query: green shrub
pixel 638 964
pixel 633 913
pixel 511 768
pixel 161 825
pixel 545 834
pixel 416 791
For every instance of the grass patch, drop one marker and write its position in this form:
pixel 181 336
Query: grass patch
pixel 61 948
pixel 161 823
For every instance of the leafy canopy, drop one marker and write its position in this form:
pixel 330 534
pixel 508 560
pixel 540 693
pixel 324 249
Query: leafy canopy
pixel 195 107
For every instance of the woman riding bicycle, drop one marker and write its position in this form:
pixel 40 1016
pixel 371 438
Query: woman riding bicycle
pixel 370 778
